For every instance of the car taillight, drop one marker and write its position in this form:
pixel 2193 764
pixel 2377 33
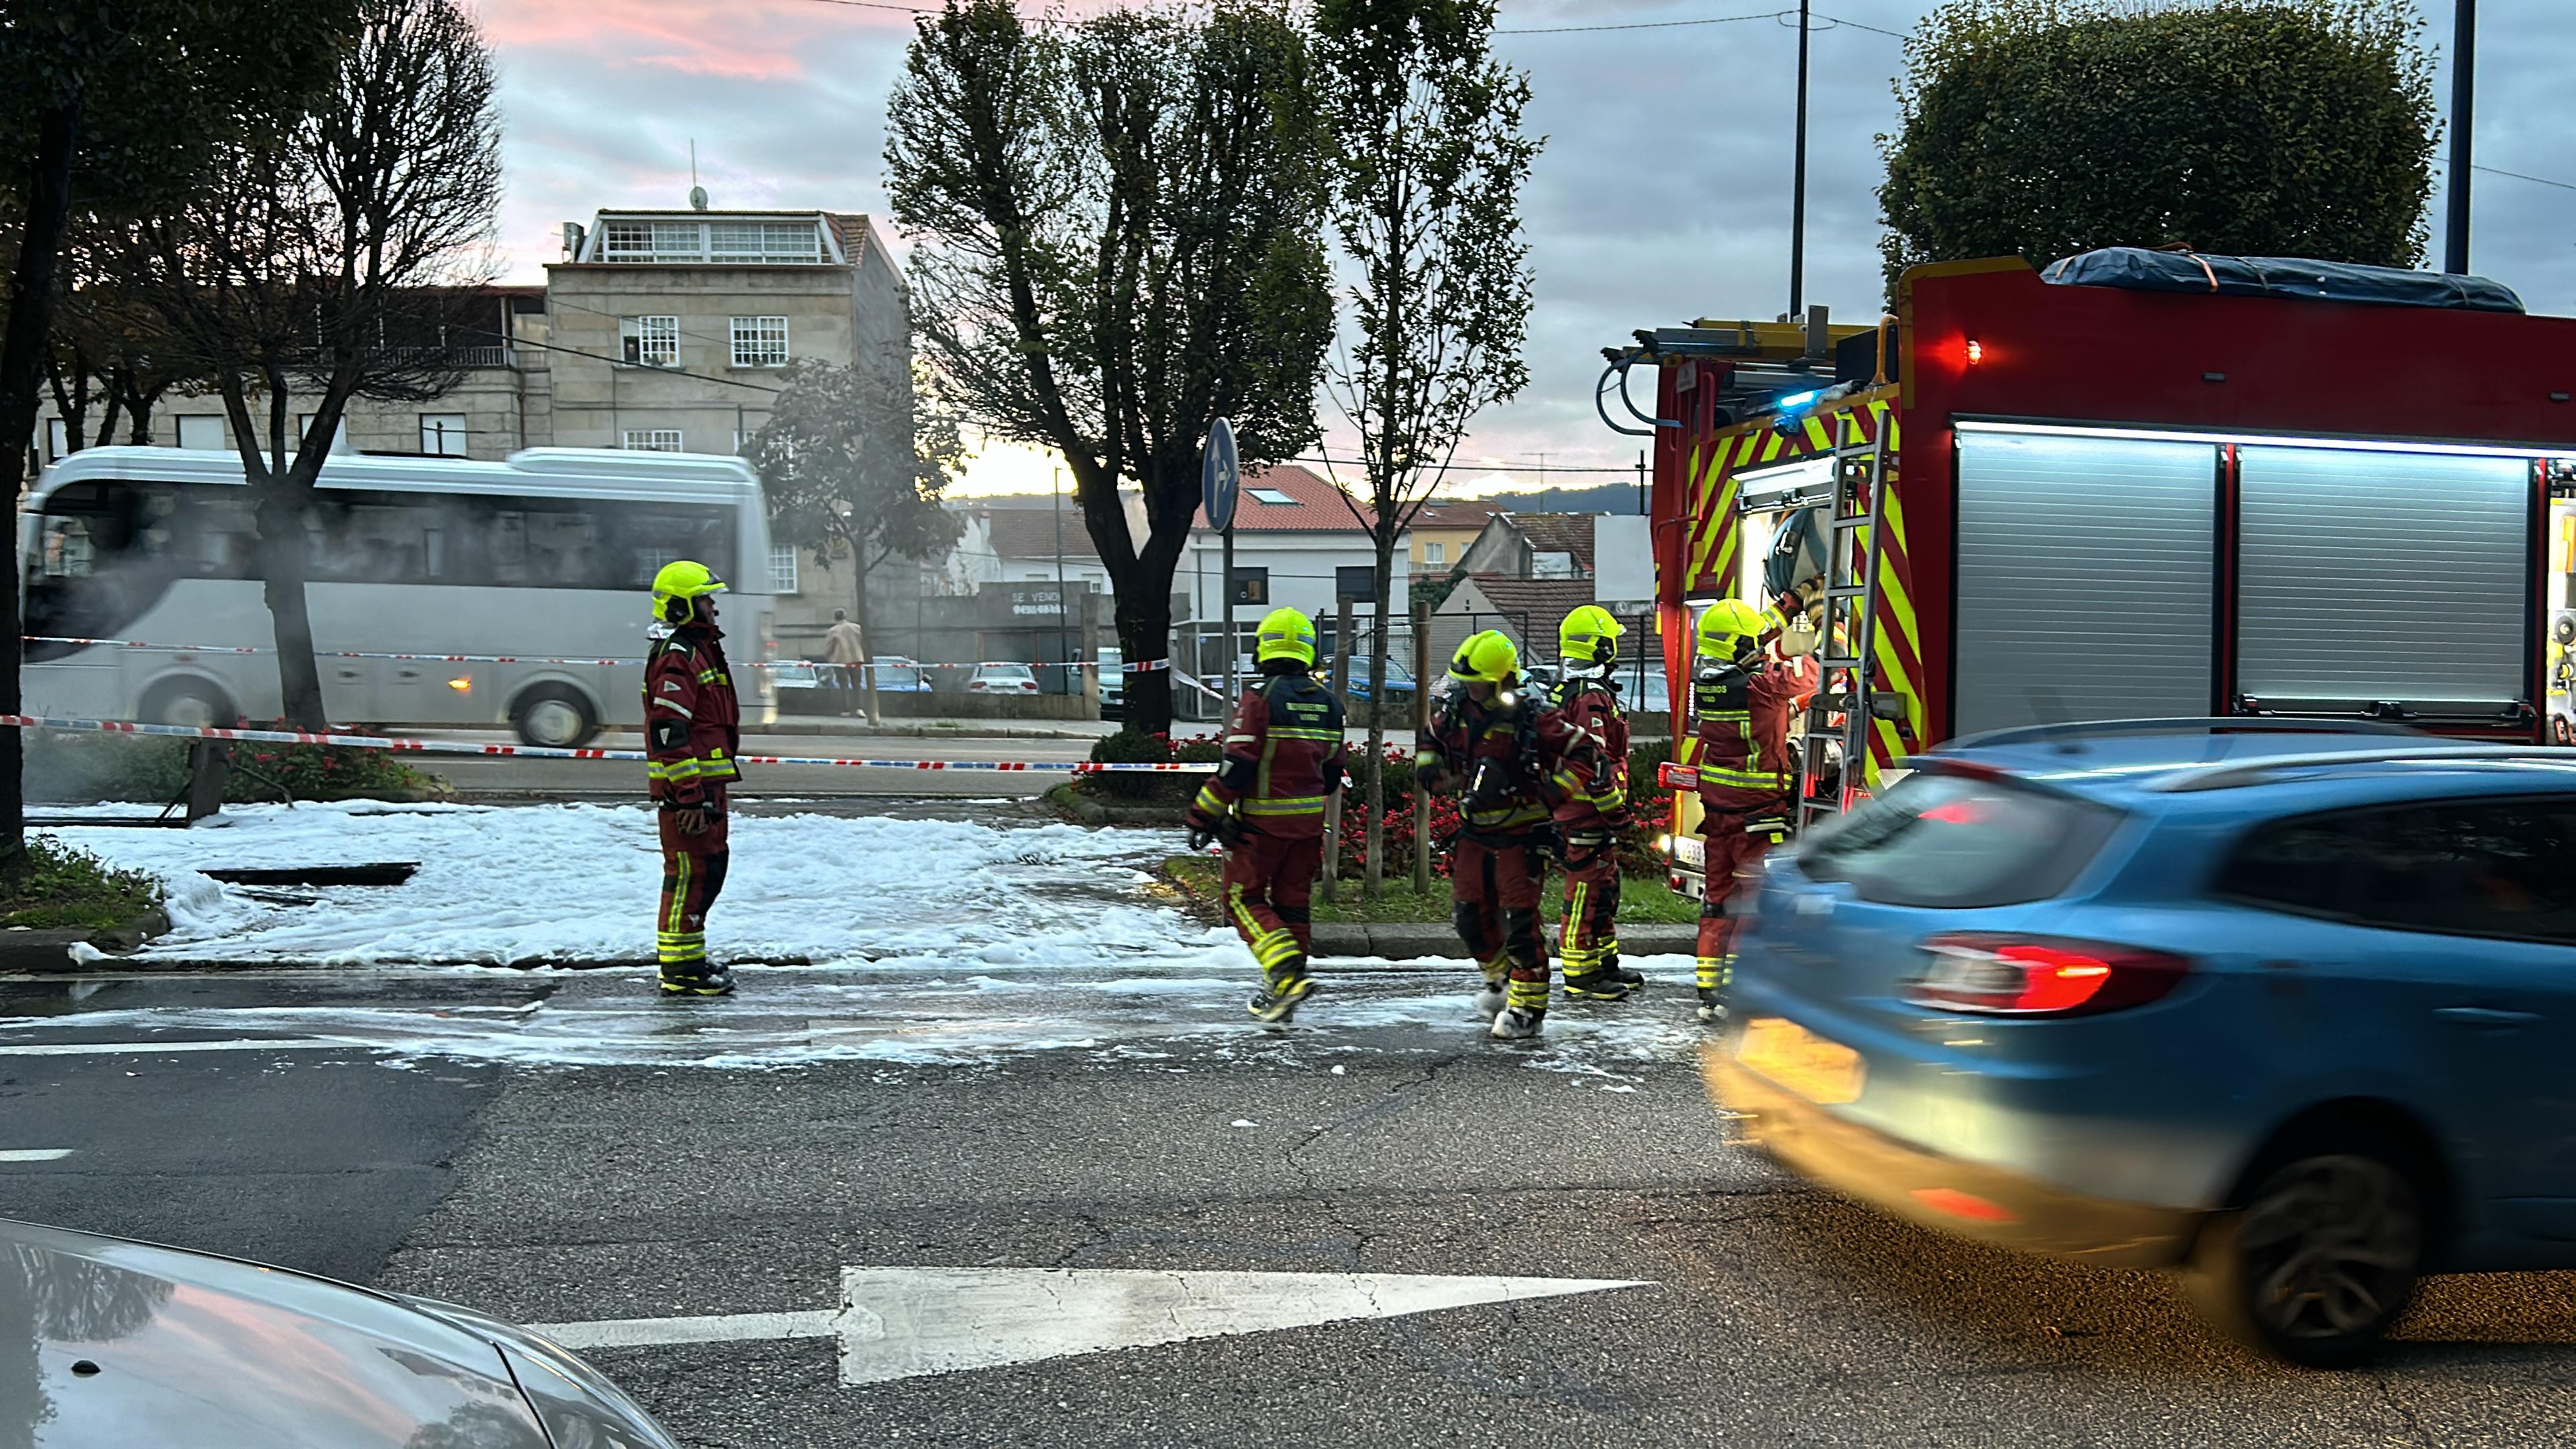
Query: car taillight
pixel 1999 975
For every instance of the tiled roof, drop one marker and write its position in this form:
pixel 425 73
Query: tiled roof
pixel 1313 506
pixel 1472 513
pixel 1022 533
pixel 1558 533
pixel 1541 602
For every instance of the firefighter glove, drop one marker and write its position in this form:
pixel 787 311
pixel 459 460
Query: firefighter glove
pixel 692 819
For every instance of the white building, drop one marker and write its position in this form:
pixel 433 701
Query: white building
pixel 1297 543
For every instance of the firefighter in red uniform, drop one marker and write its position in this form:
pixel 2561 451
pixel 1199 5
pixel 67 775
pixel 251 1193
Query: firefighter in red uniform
pixel 1284 758
pixel 1591 819
pixel 692 731
pixel 1744 701
pixel 1513 763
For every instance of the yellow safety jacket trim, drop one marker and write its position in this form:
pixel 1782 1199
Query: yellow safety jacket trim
pixel 1308 805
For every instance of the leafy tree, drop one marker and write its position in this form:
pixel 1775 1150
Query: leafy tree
pixel 312 275
pixel 118 108
pixel 2041 128
pixel 855 460
pixel 1120 241
pixel 1429 161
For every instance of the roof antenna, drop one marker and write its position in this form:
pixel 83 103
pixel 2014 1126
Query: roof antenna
pixel 697 193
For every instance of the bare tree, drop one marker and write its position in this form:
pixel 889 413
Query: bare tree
pixel 314 275
pixel 1121 241
pixel 1426 201
pixel 109 349
pixel 116 108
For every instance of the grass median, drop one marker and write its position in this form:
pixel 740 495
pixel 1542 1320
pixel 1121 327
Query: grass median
pixel 1642 901
pixel 58 887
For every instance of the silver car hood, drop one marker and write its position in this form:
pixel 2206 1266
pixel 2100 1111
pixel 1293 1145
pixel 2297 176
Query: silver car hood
pixel 175 1347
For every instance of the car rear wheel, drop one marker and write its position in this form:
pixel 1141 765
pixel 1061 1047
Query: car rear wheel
pixel 554 717
pixel 2320 1260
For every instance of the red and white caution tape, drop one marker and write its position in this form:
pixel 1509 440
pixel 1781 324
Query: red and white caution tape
pixel 546 752
pixel 151 648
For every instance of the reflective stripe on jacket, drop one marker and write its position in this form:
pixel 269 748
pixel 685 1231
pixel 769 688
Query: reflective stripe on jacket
pixel 692 722
pixel 1591 710
pixel 1744 729
pixel 1284 757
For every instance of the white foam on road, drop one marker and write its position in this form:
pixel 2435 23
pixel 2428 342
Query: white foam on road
pixel 514 885
pixel 933 943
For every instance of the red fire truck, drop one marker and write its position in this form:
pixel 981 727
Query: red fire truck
pixel 2042 499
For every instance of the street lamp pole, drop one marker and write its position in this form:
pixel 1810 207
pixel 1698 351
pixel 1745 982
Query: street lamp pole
pixel 1798 184
pixel 1063 622
pixel 2464 77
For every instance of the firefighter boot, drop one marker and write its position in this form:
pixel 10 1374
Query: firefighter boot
pixel 1716 973
pixel 1493 995
pixel 1526 1013
pixel 1599 978
pixel 1282 991
pixel 702 979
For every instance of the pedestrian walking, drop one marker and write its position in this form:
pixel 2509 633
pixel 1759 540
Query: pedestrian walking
pixel 1511 762
pixel 1744 697
pixel 693 734
pixel 1591 819
pixel 1284 758
pixel 845 648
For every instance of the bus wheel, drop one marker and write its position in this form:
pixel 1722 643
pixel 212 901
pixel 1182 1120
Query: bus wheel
pixel 555 717
pixel 193 703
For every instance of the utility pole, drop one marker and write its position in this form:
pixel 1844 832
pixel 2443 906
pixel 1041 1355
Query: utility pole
pixel 2464 78
pixel 1798 185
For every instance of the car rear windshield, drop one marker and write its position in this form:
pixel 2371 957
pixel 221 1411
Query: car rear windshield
pixel 1960 842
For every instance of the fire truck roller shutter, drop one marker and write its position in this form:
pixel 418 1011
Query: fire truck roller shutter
pixel 2367 576
pixel 2086 580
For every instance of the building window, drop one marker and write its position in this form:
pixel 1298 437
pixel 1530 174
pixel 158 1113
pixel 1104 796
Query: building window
pixel 443 434
pixel 339 439
pixel 782 568
pixel 651 440
pixel 58 440
pixel 205 434
pixel 771 242
pixel 760 342
pixel 627 241
pixel 649 341
pixel 1433 553
pixel 1271 496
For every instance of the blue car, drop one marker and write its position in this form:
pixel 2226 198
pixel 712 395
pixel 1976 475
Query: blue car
pixel 2290 1009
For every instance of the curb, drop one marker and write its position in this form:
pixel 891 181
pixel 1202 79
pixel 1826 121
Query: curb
pixel 48 953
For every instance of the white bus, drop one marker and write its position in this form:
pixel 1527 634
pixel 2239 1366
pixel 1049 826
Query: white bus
pixel 547 557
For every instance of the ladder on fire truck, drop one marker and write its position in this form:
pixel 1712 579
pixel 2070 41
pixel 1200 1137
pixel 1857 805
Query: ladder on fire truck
pixel 1847 638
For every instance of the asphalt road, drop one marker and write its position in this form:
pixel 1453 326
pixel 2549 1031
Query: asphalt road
pixel 735 1157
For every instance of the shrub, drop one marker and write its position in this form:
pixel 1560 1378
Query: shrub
pixel 62 887
pixel 321 772
pixel 1128 747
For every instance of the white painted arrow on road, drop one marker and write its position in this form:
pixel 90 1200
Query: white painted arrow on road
pixel 896 1323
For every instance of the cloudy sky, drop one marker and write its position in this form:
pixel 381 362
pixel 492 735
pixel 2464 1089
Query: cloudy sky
pixel 1663 193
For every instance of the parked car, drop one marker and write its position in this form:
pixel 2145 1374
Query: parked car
pixel 897 675
pixel 137 1344
pixel 1002 679
pixel 1359 683
pixel 1113 684
pixel 2290 1010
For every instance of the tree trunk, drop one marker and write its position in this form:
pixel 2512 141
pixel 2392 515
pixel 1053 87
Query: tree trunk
pixel 1384 592
pixel 1145 632
pixel 47 197
pixel 280 521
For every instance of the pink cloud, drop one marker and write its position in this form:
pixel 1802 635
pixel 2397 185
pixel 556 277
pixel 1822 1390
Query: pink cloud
pixel 741 42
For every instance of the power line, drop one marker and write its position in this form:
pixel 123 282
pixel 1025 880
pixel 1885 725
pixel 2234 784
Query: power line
pixel 1856 25
pixel 1641 24
pixel 2518 176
